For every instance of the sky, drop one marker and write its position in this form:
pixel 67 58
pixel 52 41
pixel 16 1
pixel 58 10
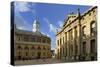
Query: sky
pixel 50 16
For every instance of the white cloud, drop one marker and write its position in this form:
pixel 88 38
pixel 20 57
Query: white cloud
pixel 46 20
pixel 48 35
pixel 19 20
pixel 21 23
pixel 43 33
pixel 60 23
pixel 21 27
pixel 52 28
pixel 22 6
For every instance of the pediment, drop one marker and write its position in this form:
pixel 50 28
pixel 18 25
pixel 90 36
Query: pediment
pixel 69 19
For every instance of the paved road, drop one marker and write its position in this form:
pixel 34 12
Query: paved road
pixel 38 61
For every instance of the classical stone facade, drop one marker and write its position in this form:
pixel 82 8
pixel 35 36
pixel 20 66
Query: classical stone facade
pixel 77 39
pixel 30 45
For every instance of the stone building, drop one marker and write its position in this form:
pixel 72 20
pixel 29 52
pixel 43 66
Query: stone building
pixel 77 39
pixel 30 45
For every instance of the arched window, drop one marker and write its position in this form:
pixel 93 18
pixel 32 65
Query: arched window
pixel 26 53
pixel 44 48
pixel 19 47
pixel 33 48
pixel 44 41
pixel 93 28
pixel 39 48
pixel 26 48
pixel 84 31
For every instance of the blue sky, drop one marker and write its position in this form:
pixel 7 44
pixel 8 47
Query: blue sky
pixel 51 16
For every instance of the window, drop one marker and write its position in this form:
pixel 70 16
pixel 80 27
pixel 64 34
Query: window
pixel 26 53
pixel 92 47
pixel 48 41
pixel 71 49
pixel 33 39
pixel 69 21
pixel 93 28
pixel 66 50
pixel 63 40
pixel 84 48
pixel 71 34
pixel 44 41
pixel 19 47
pixel 39 48
pixel 58 42
pixel 26 48
pixel 19 53
pixel 44 53
pixel 25 38
pixel 44 48
pixel 49 48
pixel 84 31
pixel 76 49
pixel 62 51
pixel 32 53
pixel 39 40
pixel 83 18
pixel 93 11
pixel 33 48
pixel 58 54
pixel 89 14
pixel 75 32
pixel 19 38
pixel 38 55
pixel 65 36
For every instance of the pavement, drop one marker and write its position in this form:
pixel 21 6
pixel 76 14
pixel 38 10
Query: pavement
pixel 38 61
